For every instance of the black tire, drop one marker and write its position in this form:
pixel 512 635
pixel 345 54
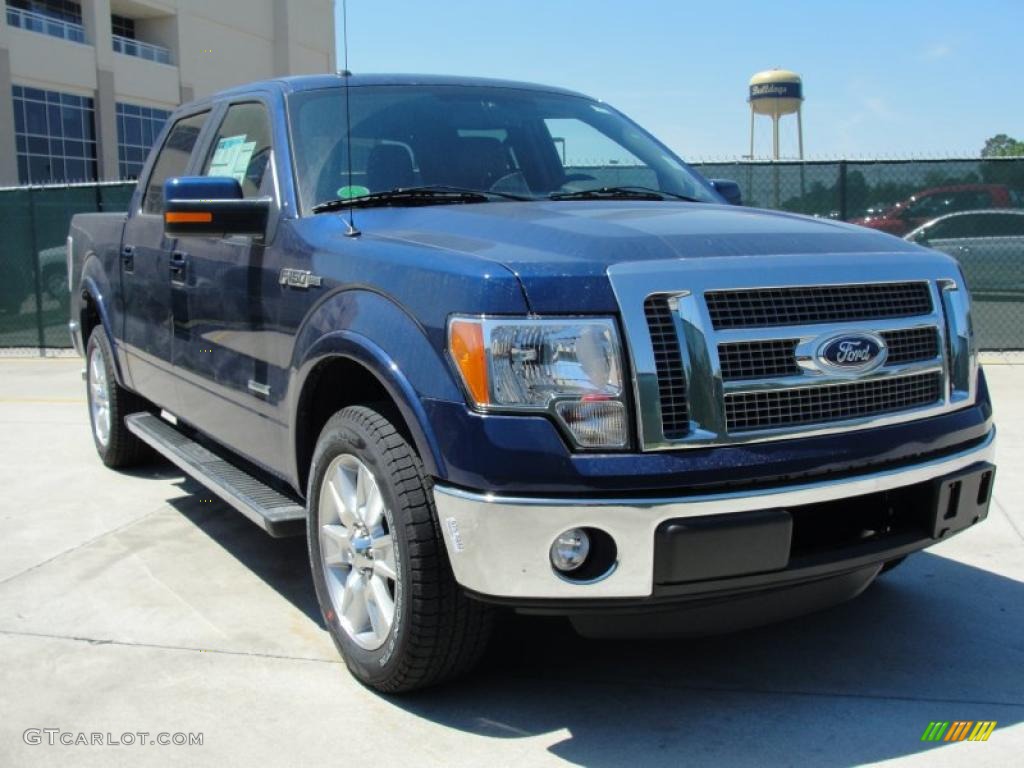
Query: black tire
pixel 893 564
pixel 437 633
pixel 122 448
pixel 55 283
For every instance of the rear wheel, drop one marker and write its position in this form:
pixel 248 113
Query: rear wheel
pixel 379 564
pixel 109 403
pixel 55 282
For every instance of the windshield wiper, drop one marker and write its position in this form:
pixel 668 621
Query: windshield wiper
pixel 620 193
pixel 409 196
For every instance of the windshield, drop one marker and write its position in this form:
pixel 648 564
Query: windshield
pixel 517 143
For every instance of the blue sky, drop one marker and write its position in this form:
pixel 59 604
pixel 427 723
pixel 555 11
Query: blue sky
pixel 881 79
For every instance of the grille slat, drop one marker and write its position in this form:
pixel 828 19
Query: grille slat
pixel 911 345
pixel 832 402
pixel 675 411
pixel 758 359
pixel 773 358
pixel 806 305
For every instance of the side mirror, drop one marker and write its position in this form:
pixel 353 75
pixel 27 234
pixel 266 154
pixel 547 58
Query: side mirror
pixel 728 189
pixel 212 206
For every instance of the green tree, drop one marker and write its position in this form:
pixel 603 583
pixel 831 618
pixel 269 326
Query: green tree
pixel 1002 145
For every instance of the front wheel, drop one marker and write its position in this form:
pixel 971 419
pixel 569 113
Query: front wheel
pixel 380 567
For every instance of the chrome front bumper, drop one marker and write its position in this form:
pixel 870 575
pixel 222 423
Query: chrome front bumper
pixel 499 546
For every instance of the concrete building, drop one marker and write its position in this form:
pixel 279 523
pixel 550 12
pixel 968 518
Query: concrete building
pixel 86 85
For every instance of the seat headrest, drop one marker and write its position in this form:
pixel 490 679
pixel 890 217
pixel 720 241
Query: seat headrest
pixel 388 167
pixel 481 161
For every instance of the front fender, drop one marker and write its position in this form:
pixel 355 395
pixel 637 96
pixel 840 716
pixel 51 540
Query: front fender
pixel 374 331
pixel 373 358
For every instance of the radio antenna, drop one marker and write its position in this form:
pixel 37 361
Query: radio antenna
pixel 345 73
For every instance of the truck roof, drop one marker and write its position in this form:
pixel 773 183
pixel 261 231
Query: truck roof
pixel 298 83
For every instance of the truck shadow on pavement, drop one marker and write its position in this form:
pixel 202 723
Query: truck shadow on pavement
pixel 933 640
pixel 283 564
pixel 859 683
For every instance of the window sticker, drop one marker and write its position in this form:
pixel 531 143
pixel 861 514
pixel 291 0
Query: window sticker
pixel 231 157
pixel 354 190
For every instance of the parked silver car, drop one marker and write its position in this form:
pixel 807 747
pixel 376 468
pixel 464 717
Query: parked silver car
pixel 989 244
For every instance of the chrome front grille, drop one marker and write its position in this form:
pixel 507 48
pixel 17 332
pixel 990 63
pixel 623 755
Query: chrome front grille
pixel 804 305
pixel 733 350
pixel 830 402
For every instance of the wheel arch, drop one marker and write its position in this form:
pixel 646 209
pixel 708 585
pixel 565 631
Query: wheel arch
pixel 369 377
pixel 93 311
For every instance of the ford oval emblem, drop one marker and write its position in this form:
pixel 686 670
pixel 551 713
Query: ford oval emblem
pixel 854 353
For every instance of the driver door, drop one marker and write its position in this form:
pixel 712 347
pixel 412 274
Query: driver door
pixel 220 337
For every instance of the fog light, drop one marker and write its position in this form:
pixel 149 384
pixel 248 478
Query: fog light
pixel 569 551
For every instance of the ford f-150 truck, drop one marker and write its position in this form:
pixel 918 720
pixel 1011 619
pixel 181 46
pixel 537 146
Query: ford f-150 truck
pixel 492 344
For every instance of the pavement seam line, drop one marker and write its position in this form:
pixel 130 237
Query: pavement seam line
pixel 697 688
pixel 42 400
pixel 78 546
pixel 163 647
pixel 1009 519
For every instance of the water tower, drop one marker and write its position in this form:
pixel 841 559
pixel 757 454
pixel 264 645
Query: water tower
pixel 776 92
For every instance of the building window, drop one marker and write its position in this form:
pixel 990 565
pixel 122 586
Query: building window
pixel 57 18
pixel 65 10
pixel 55 136
pixel 122 26
pixel 137 129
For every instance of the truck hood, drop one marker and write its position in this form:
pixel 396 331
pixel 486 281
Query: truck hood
pixel 560 250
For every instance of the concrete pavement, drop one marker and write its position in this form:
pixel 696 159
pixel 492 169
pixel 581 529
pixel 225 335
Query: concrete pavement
pixel 137 602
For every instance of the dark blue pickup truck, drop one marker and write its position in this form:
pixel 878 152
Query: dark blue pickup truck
pixel 492 344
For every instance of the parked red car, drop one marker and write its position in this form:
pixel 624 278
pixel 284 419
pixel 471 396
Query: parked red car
pixel 931 203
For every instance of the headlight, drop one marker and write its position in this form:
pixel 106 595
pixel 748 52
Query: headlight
pixel 570 368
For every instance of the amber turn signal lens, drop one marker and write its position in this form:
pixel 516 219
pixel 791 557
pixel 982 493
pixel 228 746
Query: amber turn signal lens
pixel 187 217
pixel 466 344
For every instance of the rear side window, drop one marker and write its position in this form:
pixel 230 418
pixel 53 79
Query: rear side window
pixel 1003 225
pixel 172 160
pixel 954 227
pixel 241 148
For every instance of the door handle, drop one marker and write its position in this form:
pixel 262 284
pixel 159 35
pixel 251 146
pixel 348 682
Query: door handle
pixel 179 264
pixel 128 258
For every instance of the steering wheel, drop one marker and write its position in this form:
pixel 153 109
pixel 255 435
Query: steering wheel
pixel 511 183
pixel 571 177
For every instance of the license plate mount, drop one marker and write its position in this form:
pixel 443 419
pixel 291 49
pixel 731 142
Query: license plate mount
pixel 962 499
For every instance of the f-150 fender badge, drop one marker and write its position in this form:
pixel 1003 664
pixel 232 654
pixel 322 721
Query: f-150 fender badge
pixel 299 278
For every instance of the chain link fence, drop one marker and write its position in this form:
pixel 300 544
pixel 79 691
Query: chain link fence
pixel 972 209
pixel 34 285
